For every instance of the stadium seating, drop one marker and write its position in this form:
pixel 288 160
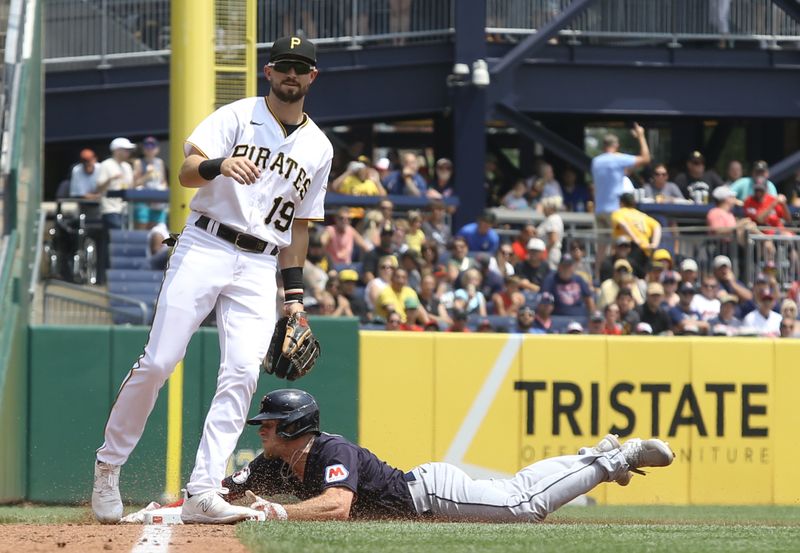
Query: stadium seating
pixel 130 276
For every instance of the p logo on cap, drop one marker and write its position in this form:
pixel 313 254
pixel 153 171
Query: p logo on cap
pixel 295 41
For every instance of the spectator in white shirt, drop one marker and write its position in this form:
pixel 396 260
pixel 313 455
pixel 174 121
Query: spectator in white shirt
pixel 706 302
pixel 764 320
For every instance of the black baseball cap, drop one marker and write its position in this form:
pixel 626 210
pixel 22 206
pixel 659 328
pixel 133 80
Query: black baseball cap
pixel 293 48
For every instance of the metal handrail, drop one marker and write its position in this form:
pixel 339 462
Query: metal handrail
pixel 94 293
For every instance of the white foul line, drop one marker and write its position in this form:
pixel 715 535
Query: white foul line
pixel 154 539
pixel 483 401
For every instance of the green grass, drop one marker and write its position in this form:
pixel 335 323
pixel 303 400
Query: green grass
pixel 591 530
pixel 37 514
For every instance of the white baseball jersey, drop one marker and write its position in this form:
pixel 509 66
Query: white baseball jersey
pixel 294 170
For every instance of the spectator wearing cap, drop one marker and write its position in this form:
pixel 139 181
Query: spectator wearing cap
pixel 596 323
pixel 149 173
pixel 721 220
pixel 628 316
pixel 763 319
pixel 393 297
pixel 766 209
pixel 442 181
pixel 643 329
pixel 542 321
pixel 516 197
pixel 574 327
pixel 623 276
pixel 460 260
pixel 652 312
pixel 576 196
pixel 722 270
pixel 611 324
pixel 521 241
pixel 348 279
pixel 620 250
pixel 552 229
pixel 696 177
pixel 608 170
pixel 761 283
pixel 573 297
pixel 643 230
pixel 789 313
pixel 480 236
pixel 407 181
pixel 376 285
pixel 683 317
pixel 670 280
pixel 416 317
pixel 384 167
pixel 115 174
pixel 533 270
pixel 689 271
pixel 745 187
pixel 436 227
pixel 706 302
pixel 357 180
pixel 510 299
pixel 340 238
pixel 727 314
pixel 83 178
pixel 371 258
pixel 660 189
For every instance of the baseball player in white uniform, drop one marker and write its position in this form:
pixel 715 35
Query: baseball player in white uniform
pixel 261 168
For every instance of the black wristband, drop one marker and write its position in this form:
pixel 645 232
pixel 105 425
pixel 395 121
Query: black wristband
pixel 210 169
pixel 292 284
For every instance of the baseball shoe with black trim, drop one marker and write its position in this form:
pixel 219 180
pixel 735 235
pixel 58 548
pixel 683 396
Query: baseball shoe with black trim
pixel 640 454
pixel 210 508
pixel 609 442
pixel 106 501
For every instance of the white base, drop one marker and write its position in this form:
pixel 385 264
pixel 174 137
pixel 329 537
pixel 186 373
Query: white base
pixel 166 515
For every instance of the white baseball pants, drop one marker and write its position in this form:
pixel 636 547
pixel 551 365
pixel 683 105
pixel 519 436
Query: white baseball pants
pixel 204 271
pixel 446 491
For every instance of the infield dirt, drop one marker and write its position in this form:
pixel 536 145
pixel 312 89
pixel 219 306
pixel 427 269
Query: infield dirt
pixel 97 538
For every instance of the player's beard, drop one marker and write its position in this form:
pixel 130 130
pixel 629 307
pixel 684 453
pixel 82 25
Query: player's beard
pixel 289 95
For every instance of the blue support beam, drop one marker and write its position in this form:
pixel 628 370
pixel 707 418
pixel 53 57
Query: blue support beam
pixel 791 7
pixel 468 105
pixel 785 167
pixel 553 142
pixel 538 40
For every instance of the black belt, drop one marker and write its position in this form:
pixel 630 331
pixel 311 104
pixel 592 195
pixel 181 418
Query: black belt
pixel 243 241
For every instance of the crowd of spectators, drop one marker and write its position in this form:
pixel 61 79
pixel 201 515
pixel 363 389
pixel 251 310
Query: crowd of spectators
pixel 411 272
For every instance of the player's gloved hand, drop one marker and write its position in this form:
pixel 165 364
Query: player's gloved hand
pixel 272 511
pixel 293 350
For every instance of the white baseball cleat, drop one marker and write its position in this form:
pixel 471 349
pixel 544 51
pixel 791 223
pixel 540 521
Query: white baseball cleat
pixel 106 502
pixel 609 442
pixel 647 453
pixel 210 508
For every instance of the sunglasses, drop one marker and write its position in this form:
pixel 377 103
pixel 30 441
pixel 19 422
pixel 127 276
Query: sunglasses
pixel 660 173
pixel 299 67
pixel 387 266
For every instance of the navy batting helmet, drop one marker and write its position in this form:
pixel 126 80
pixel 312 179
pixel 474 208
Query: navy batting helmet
pixel 296 411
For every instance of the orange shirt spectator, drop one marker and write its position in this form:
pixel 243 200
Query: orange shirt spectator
pixel 766 209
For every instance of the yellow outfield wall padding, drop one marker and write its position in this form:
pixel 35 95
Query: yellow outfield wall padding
pixel 493 404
